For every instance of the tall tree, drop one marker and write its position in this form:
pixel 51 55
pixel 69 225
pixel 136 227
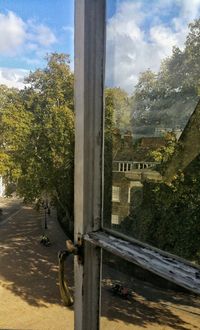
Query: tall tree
pixel 167 98
pixel 15 125
pixel 47 162
pixel 37 140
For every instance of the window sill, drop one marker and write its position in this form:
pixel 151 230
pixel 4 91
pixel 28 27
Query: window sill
pixel 172 268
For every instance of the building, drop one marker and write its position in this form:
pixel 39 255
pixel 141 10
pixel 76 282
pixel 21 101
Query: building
pixel 130 169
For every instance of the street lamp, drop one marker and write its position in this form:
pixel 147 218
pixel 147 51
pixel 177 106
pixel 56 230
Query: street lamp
pixel 45 216
pixel 46 207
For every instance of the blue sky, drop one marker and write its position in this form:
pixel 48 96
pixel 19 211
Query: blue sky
pixel 31 29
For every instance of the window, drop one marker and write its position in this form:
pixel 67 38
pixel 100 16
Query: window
pixel 115 194
pixel 115 219
pixel 146 124
pixel 89 82
pixel 129 195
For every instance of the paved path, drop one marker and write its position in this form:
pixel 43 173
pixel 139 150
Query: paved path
pixel 29 293
pixel 149 308
pixel 9 206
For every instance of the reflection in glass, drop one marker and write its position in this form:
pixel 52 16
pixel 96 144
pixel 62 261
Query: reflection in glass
pixel 152 120
pixel 133 298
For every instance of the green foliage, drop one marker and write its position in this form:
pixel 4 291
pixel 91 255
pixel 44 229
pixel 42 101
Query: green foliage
pixel 117 105
pixel 163 154
pixel 168 217
pixel 53 85
pixel 191 53
pixel 166 98
pixel 47 162
pixel 37 141
pixel 15 125
pixel 169 214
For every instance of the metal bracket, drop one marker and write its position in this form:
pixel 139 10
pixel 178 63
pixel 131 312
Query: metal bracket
pixel 80 250
pixel 77 249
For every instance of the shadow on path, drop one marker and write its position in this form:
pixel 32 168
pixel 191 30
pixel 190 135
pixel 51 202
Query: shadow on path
pixel 28 268
pixel 148 305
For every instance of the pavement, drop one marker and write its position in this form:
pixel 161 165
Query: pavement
pixel 29 291
pixel 149 307
pixel 9 206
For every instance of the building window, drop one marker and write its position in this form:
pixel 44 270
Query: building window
pixel 115 219
pixel 115 194
pixel 129 195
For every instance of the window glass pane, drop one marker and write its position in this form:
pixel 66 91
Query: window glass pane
pixel 115 194
pixel 152 120
pixel 115 219
pixel 133 298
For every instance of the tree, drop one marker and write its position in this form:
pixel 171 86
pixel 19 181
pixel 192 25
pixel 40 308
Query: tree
pixel 169 215
pixel 53 85
pixel 192 49
pixel 117 104
pixel 47 161
pixel 15 125
pixel 168 97
pixel 37 142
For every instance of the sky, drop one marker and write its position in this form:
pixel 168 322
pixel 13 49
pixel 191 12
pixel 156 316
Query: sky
pixel 140 34
pixel 28 31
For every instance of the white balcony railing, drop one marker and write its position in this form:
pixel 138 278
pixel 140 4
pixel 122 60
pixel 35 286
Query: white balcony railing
pixel 129 166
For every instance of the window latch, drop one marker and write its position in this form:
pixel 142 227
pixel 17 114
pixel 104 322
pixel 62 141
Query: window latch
pixel 76 250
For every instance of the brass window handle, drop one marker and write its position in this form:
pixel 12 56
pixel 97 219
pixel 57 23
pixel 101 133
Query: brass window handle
pixel 62 256
pixel 63 285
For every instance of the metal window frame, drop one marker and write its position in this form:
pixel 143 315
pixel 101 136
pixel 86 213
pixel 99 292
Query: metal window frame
pixel 89 88
pixel 89 81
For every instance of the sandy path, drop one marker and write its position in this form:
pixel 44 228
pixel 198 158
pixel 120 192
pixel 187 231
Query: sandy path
pixel 29 293
pixel 148 308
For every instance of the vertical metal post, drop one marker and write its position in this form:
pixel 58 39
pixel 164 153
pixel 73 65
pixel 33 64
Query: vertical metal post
pixel 89 80
pixel 45 217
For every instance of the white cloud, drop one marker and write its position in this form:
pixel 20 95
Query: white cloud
pixel 190 9
pixel 45 36
pixel 18 36
pixel 27 41
pixel 141 36
pixel 40 34
pixel 12 32
pixel 68 29
pixel 13 77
